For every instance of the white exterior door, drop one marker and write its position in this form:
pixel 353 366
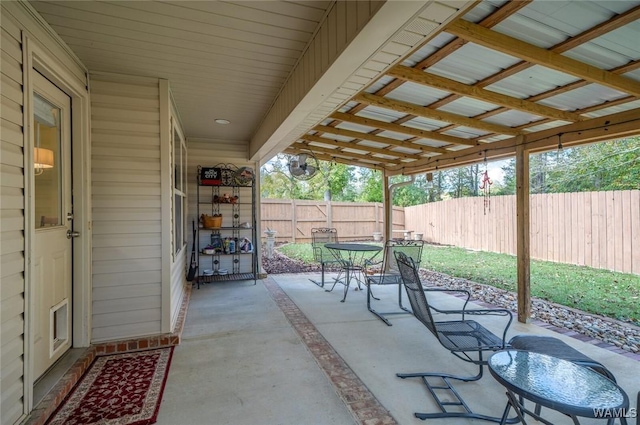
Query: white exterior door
pixel 52 245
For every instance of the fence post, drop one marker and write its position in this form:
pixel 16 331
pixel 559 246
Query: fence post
pixel 329 214
pixel 294 220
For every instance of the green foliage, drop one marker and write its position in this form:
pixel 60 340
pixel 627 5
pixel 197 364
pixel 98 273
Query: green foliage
pixel 371 183
pixel 601 166
pixel 597 291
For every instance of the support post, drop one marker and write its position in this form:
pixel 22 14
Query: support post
pixel 386 201
pixel 522 231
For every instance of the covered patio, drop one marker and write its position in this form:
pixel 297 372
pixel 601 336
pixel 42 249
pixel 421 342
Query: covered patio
pixel 286 352
pixel 151 90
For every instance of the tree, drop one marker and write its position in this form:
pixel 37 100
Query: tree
pixel 613 165
pixel 371 185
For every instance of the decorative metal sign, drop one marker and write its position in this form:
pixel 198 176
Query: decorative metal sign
pixel 211 176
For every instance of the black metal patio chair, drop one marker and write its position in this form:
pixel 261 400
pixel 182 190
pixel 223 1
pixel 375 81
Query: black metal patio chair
pixel 466 339
pixel 389 273
pixel 320 236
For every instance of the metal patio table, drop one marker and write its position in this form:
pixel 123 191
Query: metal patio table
pixel 557 384
pixel 352 258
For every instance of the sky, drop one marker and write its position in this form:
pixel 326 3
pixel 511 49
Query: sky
pixel 495 170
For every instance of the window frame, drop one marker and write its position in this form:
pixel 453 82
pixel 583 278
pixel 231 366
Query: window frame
pixel 178 189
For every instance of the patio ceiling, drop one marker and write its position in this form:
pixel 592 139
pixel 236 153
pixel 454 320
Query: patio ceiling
pixel 534 72
pixel 498 74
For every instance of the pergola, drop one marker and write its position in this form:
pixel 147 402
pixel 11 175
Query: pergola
pixel 502 79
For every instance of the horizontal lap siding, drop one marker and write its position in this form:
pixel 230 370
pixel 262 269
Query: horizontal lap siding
pixel 12 243
pixel 126 200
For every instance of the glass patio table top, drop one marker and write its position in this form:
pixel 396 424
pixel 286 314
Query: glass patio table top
pixel 557 384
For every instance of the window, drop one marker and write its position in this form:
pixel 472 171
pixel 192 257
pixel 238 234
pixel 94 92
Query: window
pixel 179 157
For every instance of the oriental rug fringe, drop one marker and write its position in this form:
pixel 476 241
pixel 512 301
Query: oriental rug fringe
pixel 118 389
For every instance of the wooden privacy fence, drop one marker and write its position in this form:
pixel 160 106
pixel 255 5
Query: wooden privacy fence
pixel 294 219
pixel 595 229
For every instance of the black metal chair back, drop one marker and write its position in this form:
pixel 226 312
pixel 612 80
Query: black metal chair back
pixel 389 274
pixel 320 236
pixel 412 249
pixel 415 292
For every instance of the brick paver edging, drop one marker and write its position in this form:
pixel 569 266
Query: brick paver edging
pixel 362 404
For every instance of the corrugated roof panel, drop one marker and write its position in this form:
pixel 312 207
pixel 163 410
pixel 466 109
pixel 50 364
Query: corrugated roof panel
pixel 431 143
pixel 330 137
pixel 417 94
pixel 347 106
pixel 590 95
pixel 534 80
pixel 394 135
pixel 615 109
pixel 434 44
pixel 512 118
pixel 322 145
pixel 472 63
pixel 574 17
pixel 496 138
pixel 379 84
pixel 465 132
pixel 545 126
pixel 531 30
pixel 599 56
pixel 634 75
pixel 380 114
pixel 623 40
pixel 468 107
pixel 371 144
pixel 409 151
pixel 482 10
pixel 426 124
pixel 354 127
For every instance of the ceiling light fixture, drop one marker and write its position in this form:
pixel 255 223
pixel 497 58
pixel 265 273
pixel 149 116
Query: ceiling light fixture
pixel 221 121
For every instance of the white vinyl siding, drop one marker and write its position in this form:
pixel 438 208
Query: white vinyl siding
pixel 16 17
pixel 12 286
pixel 126 187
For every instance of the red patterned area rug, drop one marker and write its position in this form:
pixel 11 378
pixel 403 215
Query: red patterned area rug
pixel 118 389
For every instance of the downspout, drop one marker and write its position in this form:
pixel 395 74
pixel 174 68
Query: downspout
pixel 388 204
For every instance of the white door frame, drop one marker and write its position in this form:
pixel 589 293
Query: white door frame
pixel 36 57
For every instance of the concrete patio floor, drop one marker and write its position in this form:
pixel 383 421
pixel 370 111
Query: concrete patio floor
pixel 286 352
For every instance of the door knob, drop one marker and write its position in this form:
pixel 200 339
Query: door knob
pixel 72 234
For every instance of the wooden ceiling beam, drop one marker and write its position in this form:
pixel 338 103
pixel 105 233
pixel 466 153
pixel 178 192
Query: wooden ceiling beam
pixel 570 43
pixel 446 84
pixel 353 145
pixel 397 128
pixel 623 124
pixel 421 111
pixel 539 56
pixel 328 158
pixel 330 151
pixel 493 19
pixel 379 139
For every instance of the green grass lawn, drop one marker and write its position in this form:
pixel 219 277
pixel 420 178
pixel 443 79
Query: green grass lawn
pixel 603 292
